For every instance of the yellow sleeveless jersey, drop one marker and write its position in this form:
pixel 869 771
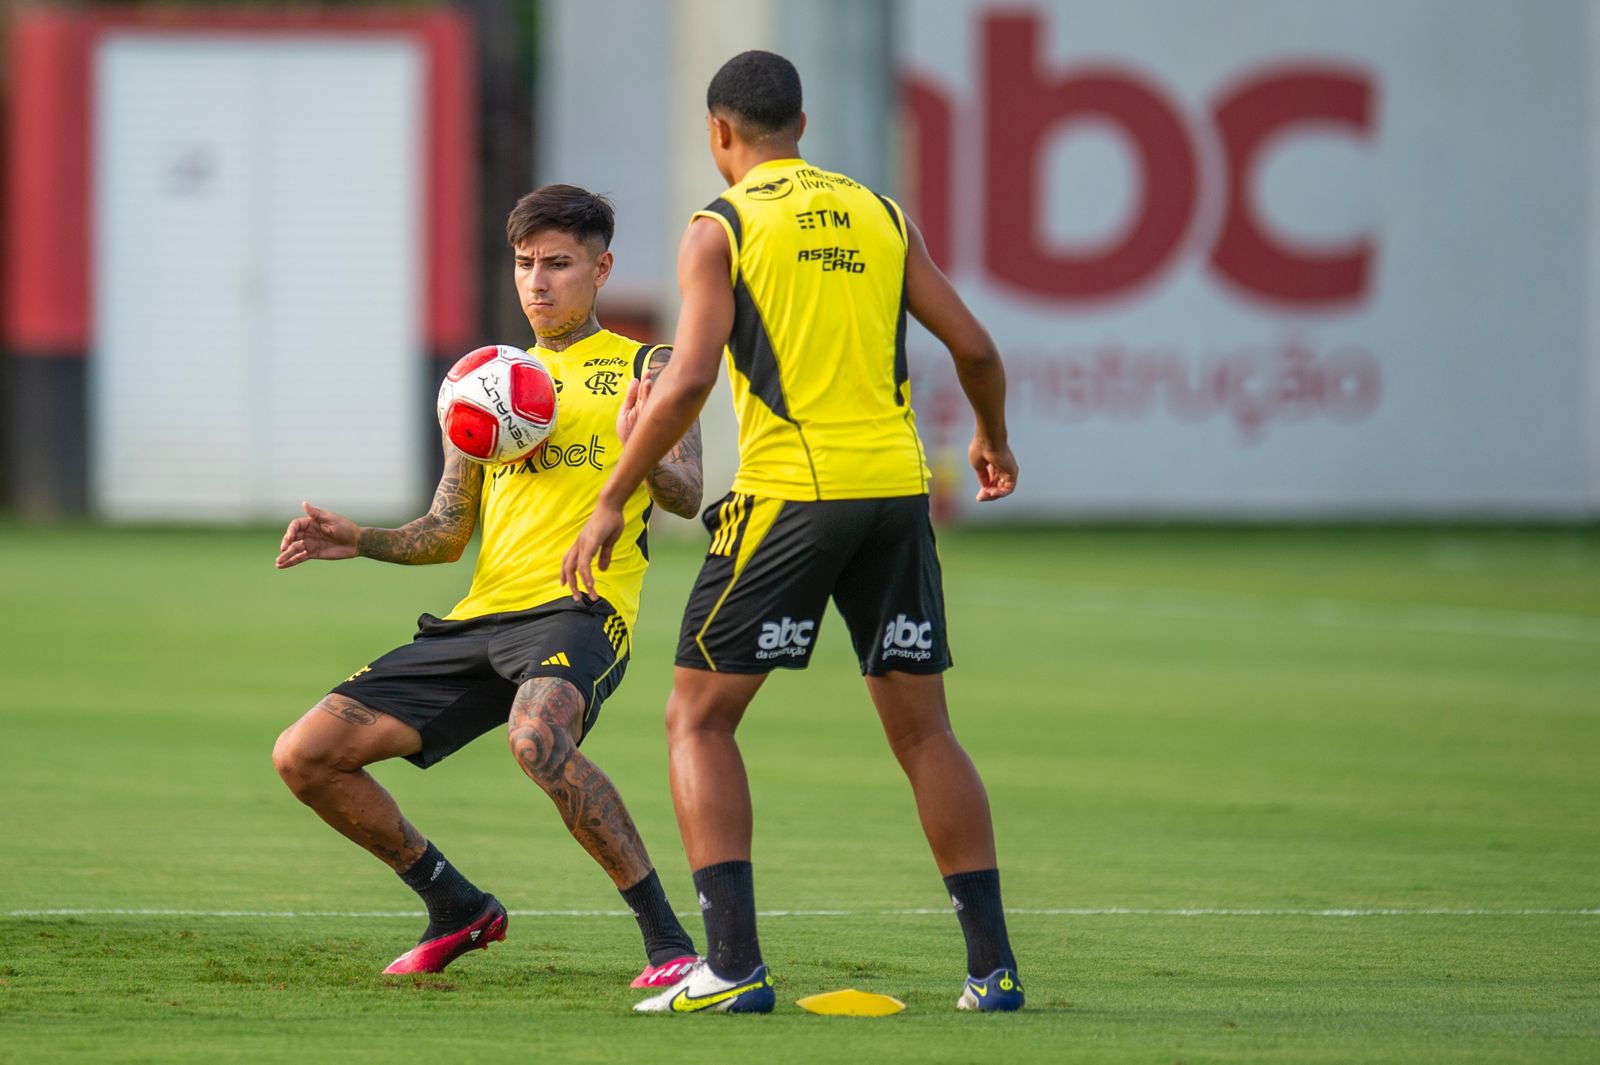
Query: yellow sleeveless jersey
pixel 817 357
pixel 532 511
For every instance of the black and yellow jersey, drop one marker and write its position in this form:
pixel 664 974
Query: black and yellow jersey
pixel 532 511
pixel 817 357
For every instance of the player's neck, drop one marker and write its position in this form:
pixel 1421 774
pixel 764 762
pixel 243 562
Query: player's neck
pixel 561 342
pixel 752 156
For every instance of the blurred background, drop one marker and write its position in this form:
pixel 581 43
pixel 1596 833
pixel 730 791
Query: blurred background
pixel 1248 260
pixel 1285 686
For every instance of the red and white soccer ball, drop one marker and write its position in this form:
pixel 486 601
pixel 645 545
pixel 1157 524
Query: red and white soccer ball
pixel 497 404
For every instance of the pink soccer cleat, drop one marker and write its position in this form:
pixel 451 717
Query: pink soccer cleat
pixel 431 956
pixel 666 974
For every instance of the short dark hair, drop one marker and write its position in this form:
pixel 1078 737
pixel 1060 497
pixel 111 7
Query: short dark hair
pixel 585 215
pixel 761 90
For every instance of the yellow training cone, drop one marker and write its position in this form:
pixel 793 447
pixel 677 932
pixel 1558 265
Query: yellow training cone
pixel 851 1003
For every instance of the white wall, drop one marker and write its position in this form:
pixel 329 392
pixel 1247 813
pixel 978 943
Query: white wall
pixel 1592 288
pixel 257 277
pixel 603 124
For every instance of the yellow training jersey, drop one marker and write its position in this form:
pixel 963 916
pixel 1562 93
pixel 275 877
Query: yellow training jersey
pixel 817 358
pixel 532 511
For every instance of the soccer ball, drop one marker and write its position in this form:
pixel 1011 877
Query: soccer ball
pixel 497 404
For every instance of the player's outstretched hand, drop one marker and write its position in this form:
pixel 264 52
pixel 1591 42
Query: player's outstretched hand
pixel 594 545
pixel 320 534
pixel 633 405
pixel 996 468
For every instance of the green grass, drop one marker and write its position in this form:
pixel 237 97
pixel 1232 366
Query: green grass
pixel 1281 720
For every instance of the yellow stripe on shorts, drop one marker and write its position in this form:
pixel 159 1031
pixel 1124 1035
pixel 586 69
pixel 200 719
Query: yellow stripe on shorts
pixel 729 517
pixel 616 631
pixel 761 513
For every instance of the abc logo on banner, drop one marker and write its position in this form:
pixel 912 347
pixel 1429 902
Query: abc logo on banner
pixel 1024 105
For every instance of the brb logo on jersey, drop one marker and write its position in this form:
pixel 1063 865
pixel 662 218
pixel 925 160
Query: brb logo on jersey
pixel 786 638
pixel 904 638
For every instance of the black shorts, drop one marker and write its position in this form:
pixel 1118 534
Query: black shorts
pixel 456 680
pixel 757 604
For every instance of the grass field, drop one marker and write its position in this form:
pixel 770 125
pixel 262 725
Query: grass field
pixel 1261 796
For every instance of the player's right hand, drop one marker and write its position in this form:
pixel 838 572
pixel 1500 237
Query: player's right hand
pixel 320 534
pixel 996 468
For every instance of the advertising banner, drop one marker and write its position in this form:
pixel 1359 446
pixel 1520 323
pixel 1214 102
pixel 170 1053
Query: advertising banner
pixel 1279 258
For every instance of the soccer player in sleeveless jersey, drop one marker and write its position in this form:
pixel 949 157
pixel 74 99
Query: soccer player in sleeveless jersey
pixel 516 648
pixel 805 277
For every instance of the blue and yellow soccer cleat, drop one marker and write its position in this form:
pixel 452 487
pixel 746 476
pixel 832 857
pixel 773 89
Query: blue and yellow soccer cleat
pixel 1000 990
pixel 703 991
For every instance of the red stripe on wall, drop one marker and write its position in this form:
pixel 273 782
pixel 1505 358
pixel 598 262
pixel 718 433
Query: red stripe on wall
pixel 46 264
pixel 452 174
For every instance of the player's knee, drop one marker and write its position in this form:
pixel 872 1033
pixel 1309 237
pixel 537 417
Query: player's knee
pixel 301 766
pixel 542 745
pixel 289 760
pixel 677 721
pixel 910 740
pixel 688 726
pixel 688 715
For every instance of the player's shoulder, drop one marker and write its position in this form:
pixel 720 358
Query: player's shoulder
pixel 654 356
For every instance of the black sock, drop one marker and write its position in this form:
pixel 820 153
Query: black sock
pixel 664 937
pixel 728 904
pixel 976 897
pixel 451 898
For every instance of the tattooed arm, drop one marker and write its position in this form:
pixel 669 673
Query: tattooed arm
pixel 438 536
pixel 677 481
pixel 441 534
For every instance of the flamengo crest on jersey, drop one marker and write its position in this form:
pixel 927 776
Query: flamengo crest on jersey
pixel 532 511
pixel 817 359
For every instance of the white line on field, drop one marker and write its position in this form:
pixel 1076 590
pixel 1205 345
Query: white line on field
pixel 1339 613
pixel 1084 911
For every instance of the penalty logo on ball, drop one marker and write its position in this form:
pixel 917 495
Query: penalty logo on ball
pixel 497 404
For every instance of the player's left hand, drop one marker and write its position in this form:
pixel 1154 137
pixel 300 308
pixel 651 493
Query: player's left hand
pixel 594 544
pixel 633 405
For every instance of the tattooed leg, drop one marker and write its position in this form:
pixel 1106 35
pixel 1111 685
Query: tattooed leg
pixel 320 757
pixel 546 724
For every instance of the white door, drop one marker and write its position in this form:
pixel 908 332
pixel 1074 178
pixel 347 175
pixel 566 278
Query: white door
pixel 257 277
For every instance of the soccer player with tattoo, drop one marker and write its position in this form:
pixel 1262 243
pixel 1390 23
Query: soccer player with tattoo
pixel 805 277
pixel 517 649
